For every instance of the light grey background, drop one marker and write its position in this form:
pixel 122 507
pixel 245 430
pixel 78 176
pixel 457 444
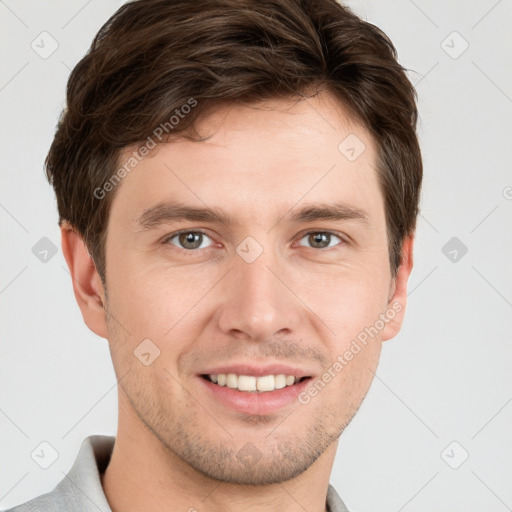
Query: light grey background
pixel 447 377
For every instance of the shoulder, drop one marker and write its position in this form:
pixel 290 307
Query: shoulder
pixel 50 502
pixel 81 488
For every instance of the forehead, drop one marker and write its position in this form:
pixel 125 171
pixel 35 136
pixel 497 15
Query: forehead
pixel 259 159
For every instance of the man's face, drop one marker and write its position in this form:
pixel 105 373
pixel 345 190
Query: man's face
pixel 269 287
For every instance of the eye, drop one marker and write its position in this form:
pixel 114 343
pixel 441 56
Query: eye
pixel 321 239
pixel 188 240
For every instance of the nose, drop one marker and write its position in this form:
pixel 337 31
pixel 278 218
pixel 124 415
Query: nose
pixel 258 301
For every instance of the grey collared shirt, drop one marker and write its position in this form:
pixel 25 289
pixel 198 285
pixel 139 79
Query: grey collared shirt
pixel 81 489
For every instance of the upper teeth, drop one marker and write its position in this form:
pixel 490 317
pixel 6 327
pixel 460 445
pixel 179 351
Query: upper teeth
pixel 251 383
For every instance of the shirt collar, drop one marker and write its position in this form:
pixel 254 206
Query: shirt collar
pixel 82 484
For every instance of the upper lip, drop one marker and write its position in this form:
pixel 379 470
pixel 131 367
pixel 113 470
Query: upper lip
pixel 259 370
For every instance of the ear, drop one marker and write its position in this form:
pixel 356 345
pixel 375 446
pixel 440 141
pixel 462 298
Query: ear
pixel 87 283
pixel 398 292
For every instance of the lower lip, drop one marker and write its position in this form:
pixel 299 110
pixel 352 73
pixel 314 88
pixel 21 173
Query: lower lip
pixel 258 402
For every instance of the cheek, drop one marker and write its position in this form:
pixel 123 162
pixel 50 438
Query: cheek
pixel 357 371
pixel 347 301
pixel 158 303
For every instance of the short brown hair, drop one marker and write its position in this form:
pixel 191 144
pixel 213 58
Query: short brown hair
pixel 153 56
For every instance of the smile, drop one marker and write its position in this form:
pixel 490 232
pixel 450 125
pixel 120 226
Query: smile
pixel 253 384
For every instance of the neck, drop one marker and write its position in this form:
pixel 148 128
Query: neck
pixel 144 475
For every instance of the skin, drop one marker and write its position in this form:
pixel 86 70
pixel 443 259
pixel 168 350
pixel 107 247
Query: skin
pixel 297 303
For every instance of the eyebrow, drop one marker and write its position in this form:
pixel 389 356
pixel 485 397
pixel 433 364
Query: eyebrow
pixel 336 211
pixel 170 211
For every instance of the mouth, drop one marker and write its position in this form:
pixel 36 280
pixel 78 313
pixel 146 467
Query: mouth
pixel 255 387
pixel 254 384
pixel 254 395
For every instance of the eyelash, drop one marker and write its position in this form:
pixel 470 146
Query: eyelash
pixel 168 239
